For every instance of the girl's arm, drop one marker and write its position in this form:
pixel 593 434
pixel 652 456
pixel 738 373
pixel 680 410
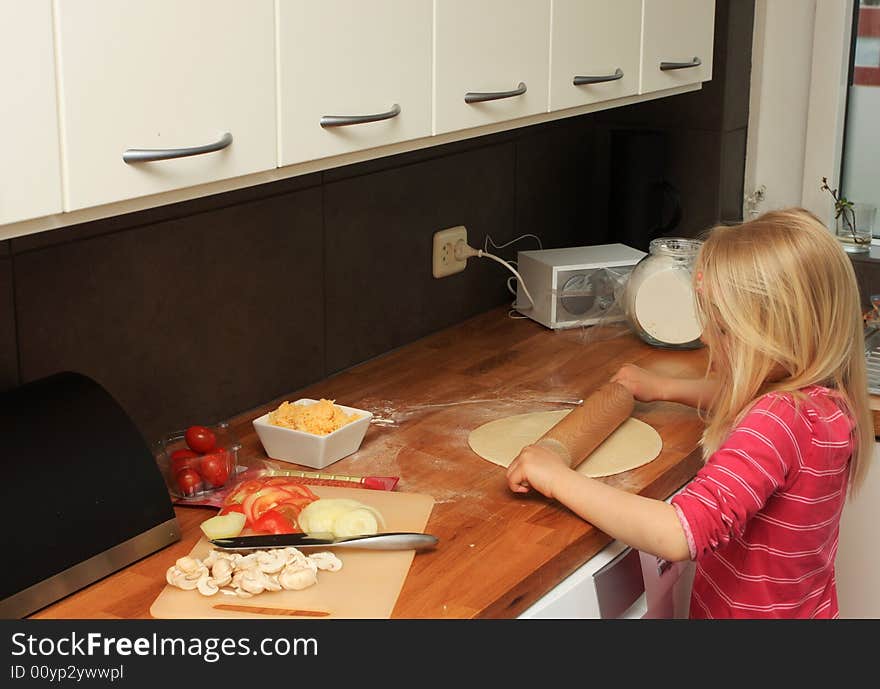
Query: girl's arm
pixel 646 386
pixel 649 525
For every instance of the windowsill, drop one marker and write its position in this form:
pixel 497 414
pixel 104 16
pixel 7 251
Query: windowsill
pixel 872 256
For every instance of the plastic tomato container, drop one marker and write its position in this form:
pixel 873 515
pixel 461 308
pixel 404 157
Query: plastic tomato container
pixel 191 474
pixel 309 449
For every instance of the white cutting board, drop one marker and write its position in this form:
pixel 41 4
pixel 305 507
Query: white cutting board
pixel 367 586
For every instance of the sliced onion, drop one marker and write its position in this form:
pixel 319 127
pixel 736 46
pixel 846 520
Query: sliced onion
pixel 357 522
pixel 331 515
pixel 223 525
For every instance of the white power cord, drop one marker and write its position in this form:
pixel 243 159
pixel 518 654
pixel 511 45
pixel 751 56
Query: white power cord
pixel 463 252
pixel 489 241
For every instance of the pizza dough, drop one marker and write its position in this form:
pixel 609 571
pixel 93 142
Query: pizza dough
pixel 631 445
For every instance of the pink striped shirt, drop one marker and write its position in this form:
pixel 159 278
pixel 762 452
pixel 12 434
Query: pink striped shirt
pixel 762 515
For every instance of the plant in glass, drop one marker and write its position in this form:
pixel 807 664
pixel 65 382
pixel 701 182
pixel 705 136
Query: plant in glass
pixel 844 213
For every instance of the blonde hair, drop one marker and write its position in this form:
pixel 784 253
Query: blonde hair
pixel 781 310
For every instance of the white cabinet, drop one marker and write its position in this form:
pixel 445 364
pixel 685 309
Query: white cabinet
pixel 595 51
pixel 677 39
pixel 352 75
pixel 111 107
pixel 858 558
pixel 30 171
pixel 491 61
pixel 166 75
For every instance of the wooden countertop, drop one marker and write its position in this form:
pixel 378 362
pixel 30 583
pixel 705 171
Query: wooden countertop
pixel 875 414
pixel 499 552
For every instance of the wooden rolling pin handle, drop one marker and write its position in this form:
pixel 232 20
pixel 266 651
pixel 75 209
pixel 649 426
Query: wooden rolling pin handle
pixel 587 426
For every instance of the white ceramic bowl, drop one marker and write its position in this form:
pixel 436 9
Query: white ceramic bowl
pixel 308 449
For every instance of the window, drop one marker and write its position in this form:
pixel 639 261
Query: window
pixel 861 151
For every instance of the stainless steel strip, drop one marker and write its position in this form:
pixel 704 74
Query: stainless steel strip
pixel 148 155
pixel 89 571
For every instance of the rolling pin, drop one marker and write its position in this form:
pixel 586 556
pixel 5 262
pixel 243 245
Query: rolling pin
pixel 587 426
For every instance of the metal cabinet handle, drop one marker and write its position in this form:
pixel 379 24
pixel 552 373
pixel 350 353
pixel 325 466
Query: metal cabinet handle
pixel 146 155
pixel 476 97
pixel 580 81
pixel 666 66
pixel 345 120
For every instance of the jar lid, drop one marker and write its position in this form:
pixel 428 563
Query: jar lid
pixel 675 246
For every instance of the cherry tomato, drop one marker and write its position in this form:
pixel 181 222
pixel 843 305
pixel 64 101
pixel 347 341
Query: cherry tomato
pixel 200 439
pixel 189 481
pixel 214 468
pixel 274 522
pixel 183 459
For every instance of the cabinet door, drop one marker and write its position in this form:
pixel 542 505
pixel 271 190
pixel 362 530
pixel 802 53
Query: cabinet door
pixel 494 52
pixel 596 50
pixel 352 75
pixel 30 172
pixel 677 43
pixel 173 75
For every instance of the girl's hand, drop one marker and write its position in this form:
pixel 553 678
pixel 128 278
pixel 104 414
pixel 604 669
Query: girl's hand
pixel 538 468
pixel 644 385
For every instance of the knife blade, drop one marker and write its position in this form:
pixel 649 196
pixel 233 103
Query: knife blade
pixel 383 541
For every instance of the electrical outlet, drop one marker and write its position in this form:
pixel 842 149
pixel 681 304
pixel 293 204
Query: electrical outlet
pixel 444 260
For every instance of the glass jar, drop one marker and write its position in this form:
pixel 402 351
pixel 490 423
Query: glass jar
pixel 659 295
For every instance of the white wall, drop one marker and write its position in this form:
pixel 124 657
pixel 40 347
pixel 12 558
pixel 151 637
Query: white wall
pixel 800 54
pixel 782 54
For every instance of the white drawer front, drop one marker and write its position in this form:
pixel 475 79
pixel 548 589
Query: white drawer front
pixel 593 39
pixel 676 32
pixel 351 58
pixel 30 174
pixel 164 74
pixel 491 46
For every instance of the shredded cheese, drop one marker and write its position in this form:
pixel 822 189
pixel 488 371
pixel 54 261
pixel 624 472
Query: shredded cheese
pixel 320 418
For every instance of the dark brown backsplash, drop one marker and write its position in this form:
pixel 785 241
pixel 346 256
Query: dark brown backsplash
pixel 200 310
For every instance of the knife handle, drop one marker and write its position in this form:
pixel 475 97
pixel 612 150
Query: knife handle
pixel 390 541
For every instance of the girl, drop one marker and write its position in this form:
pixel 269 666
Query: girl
pixel 788 427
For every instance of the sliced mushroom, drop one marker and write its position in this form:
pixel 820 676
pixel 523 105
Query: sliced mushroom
pixel 327 561
pixel 296 578
pixel 271 561
pixel 222 571
pixel 207 586
pixel 189 566
pixel 253 581
pixel 186 573
pixel 240 575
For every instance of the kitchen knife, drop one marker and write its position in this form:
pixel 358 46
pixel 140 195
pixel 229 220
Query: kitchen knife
pixel 382 541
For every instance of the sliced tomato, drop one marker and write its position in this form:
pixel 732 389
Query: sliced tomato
pixel 241 491
pixel 234 507
pixel 276 481
pixel 265 500
pixel 273 522
pixel 257 496
pixel 291 512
